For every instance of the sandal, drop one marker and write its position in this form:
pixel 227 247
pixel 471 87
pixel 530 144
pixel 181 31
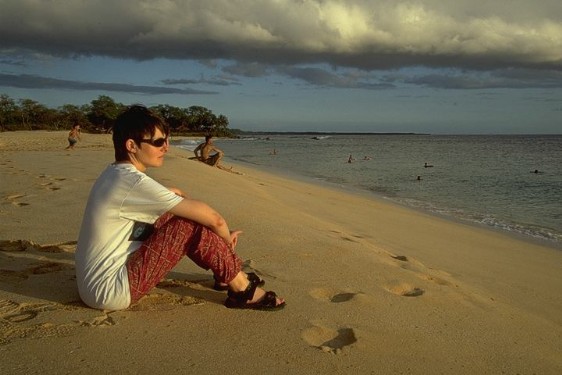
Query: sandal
pixel 240 300
pixel 252 278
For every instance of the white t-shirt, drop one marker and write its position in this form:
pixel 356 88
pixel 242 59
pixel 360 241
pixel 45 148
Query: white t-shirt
pixel 120 197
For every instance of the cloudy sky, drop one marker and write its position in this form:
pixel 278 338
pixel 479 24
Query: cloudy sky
pixel 456 66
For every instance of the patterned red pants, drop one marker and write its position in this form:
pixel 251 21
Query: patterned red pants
pixel 173 238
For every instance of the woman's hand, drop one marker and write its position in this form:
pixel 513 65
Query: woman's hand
pixel 204 214
pixel 234 238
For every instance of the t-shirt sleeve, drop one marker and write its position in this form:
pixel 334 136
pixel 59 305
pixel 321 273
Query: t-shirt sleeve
pixel 148 200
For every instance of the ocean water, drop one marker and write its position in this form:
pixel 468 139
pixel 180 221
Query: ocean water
pixel 482 179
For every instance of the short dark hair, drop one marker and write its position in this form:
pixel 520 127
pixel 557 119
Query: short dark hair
pixel 135 122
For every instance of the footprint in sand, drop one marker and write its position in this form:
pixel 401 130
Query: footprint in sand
pixel 13 199
pixel 336 296
pixel 350 238
pixel 21 317
pixel 436 280
pixel 24 245
pixel 14 245
pixel 423 272
pixel 329 340
pixel 99 321
pixel 14 312
pixel 22 320
pixel 38 320
pixel 8 306
pixel 63 247
pixel 404 289
pixel 40 269
pixel 50 186
pixel 342 297
pixel 48 267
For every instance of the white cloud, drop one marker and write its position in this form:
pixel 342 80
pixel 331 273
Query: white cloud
pixel 365 34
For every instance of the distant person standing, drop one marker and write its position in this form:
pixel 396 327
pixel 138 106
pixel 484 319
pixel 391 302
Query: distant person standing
pixel 73 136
pixel 204 150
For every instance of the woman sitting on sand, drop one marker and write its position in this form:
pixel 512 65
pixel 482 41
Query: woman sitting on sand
pixel 134 230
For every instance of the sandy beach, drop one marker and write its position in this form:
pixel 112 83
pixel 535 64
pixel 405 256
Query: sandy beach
pixel 371 287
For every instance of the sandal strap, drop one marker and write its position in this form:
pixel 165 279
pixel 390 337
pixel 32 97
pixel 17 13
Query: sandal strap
pixel 254 278
pixel 269 299
pixel 268 303
pixel 244 296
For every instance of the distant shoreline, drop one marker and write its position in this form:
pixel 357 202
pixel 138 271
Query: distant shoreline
pixel 238 133
pixel 322 133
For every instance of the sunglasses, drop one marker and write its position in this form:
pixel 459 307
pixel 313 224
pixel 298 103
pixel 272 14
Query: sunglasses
pixel 155 142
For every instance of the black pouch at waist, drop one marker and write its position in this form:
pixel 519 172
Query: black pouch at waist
pixel 141 231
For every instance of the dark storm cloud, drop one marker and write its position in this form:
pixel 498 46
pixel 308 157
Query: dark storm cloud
pixel 37 82
pixel 321 77
pixel 216 81
pixel 503 79
pixel 12 62
pixel 376 34
pixel 252 70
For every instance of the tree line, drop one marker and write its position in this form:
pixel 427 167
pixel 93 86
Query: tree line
pixel 99 115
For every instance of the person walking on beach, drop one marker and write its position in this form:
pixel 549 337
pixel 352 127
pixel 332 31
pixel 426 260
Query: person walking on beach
pixel 134 230
pixel 204 150
pixel 73 136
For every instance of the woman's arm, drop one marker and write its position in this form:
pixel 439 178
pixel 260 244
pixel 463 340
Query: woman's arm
pixel 178 192
pixel 203 214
